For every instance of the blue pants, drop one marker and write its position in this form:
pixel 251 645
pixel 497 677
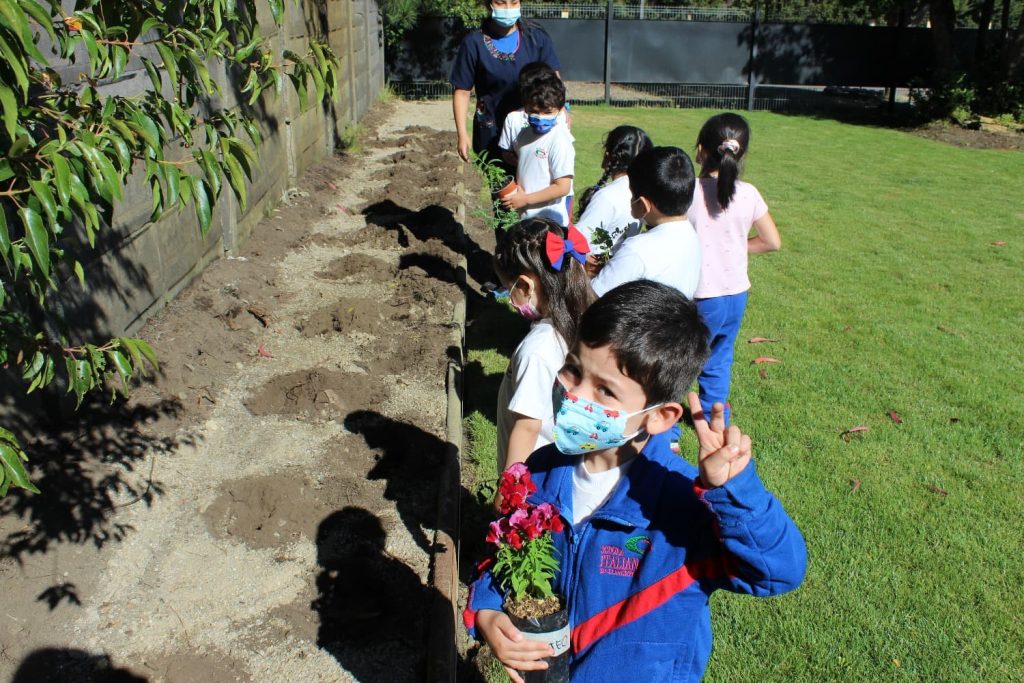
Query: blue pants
pixel 722 315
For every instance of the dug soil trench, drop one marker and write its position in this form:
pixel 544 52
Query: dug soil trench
pixel 265 509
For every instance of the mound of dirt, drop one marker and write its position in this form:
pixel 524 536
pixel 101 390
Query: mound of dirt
pixel 265 511
pixel 316 394
pixel 348 315
pixel 366 267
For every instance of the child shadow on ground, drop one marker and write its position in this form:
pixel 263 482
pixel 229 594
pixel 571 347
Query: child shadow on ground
pixel 409 460
pixel 61 665
pixel 371 605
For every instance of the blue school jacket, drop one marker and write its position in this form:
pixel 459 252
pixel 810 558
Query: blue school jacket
pixel 638 574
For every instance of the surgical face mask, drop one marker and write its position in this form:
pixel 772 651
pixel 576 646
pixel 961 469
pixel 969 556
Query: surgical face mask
pixel 505 17
pixel 582 426
pixel 527 310
pixel 541 124
pixel 633 205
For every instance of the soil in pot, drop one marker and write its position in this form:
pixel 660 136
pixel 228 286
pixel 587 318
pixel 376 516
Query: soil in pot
pixel 551 626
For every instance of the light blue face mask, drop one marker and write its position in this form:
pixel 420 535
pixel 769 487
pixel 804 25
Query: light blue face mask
pixel 541 124
pixel 505 17
pixel 582 426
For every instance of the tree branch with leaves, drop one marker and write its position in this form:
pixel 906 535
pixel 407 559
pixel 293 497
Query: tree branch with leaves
pixel 68 149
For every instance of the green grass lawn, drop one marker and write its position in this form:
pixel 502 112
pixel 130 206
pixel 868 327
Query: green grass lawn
pixel 887 296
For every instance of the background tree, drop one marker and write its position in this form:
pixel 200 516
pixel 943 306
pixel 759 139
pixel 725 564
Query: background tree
pixel 68 149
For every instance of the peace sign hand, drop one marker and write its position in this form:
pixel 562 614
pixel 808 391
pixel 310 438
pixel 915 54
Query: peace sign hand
pixel 724 453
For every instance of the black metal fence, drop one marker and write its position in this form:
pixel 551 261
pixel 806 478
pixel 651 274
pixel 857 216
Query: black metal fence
pixel 682 57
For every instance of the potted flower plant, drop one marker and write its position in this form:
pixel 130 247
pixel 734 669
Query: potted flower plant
pixel 525 565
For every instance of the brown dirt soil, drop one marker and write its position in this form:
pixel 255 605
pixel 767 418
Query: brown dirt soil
pixel 347 315
pixel 263 510
pixel 972 139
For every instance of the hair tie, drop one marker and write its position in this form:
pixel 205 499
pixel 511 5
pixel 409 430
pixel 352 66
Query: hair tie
pixel 556 248
pixel 730 145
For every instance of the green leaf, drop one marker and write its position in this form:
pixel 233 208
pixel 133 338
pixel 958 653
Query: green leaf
pixel 123 367
pixel 170 63
pixel 202 207
pixel 45 196
pixel 81 379
pixel 276 9
pixel 10 110
pixel 171 177
pixel 237 178
pixel 154 75
pixel 148 352
pixel 37 238
pixel 42 16
pixel 62 174
pixel 5 237
pixel 13 468
pixel 80 273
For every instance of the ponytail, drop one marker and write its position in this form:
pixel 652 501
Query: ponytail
pixel 621 146
pixel 724 140
pixel 566 290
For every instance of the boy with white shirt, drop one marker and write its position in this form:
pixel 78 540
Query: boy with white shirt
pixel 662 181
pixel 537 140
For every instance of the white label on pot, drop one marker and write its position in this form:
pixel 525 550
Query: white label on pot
pixel 558 640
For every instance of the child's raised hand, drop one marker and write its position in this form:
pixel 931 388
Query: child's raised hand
pixel 510 647
pixel 724 453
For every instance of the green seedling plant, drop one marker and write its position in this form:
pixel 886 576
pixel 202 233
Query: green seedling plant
pixel 495 177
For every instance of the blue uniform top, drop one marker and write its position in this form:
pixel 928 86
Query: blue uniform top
pixel 638 574
pixel 491 66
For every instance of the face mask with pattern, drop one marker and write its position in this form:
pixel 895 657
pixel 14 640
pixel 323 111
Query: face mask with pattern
pixel 582 426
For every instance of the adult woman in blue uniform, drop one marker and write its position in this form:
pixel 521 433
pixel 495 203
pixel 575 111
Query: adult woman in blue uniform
pixel 489 60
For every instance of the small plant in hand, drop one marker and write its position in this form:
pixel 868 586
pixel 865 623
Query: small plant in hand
pixel 602 241
pixel 525 561
pixel 497 180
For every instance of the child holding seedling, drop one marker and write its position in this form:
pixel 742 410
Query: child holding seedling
pixel 537 141
pixel 648 536
pixel 724 211
pixel 605 207
pixel 661 182
pixel 540 263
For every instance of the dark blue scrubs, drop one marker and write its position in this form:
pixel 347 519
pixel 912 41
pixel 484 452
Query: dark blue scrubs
pixel 491 66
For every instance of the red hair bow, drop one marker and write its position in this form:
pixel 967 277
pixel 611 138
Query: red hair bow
pixel 575 245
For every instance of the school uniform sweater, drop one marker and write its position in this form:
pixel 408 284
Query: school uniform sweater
pixel 638 574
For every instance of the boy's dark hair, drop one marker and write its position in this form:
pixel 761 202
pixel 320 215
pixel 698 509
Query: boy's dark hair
pixel 567 291
pixel 656 334
pixel 541 90
pixel 535 71
pixel 665 176
pixel 721 155
pixel 621 146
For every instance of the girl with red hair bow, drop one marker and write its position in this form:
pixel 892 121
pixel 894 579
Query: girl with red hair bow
pixel 541 264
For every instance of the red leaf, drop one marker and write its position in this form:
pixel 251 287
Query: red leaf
pixel 940 491
pixel 855 484
pixel 762 373
pixel 261 350
pixel 761 340
pixel 999 243
pixel 859 429
pixel 331 185
pixel 765 359
pixel 895 417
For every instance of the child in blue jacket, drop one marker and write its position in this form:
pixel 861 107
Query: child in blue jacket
pixel 648 536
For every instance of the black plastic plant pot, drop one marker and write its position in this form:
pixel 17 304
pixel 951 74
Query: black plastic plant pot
pixel 552 629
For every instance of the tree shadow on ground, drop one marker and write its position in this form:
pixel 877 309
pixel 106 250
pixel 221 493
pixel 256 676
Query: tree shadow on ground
pixel 62 665
pixel 86 472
